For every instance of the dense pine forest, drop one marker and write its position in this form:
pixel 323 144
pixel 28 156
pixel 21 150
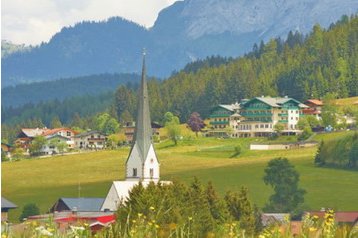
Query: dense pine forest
pixel 302 67
pixel 323 62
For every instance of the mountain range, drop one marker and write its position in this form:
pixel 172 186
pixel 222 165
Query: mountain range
pixel 184 32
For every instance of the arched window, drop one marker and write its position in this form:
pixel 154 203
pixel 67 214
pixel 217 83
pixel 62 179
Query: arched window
pixel 134 172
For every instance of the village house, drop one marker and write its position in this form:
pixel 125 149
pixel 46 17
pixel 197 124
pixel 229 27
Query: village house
pixel 82 204
pixel 26 135
pixel 90 140
pixel 314 108
pixel 6 150
pixel 6 205
pixel 129 129
pixel 53 144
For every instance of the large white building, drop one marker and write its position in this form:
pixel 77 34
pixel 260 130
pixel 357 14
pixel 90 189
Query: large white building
pixel 142 164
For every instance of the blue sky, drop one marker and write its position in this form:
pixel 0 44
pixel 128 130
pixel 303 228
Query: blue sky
pixel 35 21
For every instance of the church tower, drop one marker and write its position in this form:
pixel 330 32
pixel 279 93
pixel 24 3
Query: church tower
pixel 142 163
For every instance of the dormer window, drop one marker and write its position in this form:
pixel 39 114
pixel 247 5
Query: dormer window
pixel 134 172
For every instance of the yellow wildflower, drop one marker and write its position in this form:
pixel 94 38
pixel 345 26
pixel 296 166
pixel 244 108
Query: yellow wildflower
pixel 156 226
pixel 3 236
pixel 190 218
pixel 172 226
pixel 134 221
pixel 149 223
pixel 140 214
pixel 313 229
pixel 152 208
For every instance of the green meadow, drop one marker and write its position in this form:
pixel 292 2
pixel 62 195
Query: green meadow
pixel 44 180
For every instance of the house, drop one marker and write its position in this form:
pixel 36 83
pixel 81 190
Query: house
pixel 26 135
pixel 90 140
pixel 129 129
pixel 261 114
pixel 222 119
pixel 268 219
pixel 6 149
pixel 350 217
pixel 6 205
pixel 82 204
pixel 314 108
pixel 142 165
pixel 53 142
pixel 62 132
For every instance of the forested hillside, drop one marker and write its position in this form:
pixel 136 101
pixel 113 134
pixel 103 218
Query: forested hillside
pixel 301 67
pixel 63 88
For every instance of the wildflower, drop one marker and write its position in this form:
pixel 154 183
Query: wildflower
pixel 86 224
pixel 172 226
pixel 190 218
pixel 3 236
pixel 313 229
pixel 149 223
pixel 315 217
pixel 151 208
pixel 140 214
pixel 156 226
pixel 134 221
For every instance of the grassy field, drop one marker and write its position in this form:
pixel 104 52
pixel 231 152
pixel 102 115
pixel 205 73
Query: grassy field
pixel 44 180
pixel 346 101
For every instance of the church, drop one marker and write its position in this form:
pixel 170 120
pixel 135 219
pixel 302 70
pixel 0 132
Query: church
pixel 142 164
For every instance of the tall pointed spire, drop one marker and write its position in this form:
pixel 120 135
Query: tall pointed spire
pixel 143 130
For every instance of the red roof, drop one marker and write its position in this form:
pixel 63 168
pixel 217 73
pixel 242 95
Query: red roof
pixel 55 130
pixel 349 217
pixel 314 101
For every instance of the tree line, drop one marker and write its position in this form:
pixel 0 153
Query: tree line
pixel 323 62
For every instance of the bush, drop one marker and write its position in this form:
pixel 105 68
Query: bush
pixel 29 209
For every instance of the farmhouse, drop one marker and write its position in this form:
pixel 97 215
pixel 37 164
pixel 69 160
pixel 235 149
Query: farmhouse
pixel 90 140
pixel 142 165
pixel 6 205
pixel 77 204
pixel 129 130
pixel 314 108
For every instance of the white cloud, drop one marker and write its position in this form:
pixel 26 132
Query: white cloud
pixel 34 21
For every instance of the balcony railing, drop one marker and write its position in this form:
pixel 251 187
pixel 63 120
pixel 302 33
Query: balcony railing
pixel 219 122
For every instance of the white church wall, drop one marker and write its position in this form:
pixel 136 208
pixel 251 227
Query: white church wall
pixel 151 162
pixel 134 162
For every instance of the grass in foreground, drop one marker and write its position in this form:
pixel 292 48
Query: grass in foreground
pixel 43 181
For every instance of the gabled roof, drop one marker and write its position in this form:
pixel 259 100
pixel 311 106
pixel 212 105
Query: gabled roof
pixel 272 218
pixel 230 107
pixel 6 204
pixel 56 130
pixel 277 101
pixel 88 133
pixel 315 101
pixel 82 204
pixel 49 137
pixel 32 132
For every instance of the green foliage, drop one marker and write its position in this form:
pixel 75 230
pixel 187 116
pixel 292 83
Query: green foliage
pixel 29 209
pixel 172 126
pixel 36 145
pixel 106 124
pixel 56 122
pixel 278 128
pixel 178 204
pixel 341 152
pixel 237 151
pixel 283 178
pixel 305 126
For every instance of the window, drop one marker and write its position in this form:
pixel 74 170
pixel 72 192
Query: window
pixel 151 173
pixel 68 133
pixel 296 112
pixel 266 126
pixel 256 126
pixel 296 118
pixel 134 172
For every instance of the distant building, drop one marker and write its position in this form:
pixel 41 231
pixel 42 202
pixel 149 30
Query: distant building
pixel 314 108
pixel 6 149
pixel 129 129
pixel 6 205
pixel 78 204
pixel 26 135
pixel 222 120
pixel 90 140
pixel 261 114
pixel 256 117
pixel 350 217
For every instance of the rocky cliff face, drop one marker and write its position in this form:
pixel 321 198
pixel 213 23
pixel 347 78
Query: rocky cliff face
pixel 183 32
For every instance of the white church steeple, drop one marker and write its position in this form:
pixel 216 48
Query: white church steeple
pixel 142 163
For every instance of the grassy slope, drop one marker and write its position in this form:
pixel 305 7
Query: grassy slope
pixel 43 181
pixel 346 101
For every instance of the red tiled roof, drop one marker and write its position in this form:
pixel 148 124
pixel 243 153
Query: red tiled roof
pixel 55 130
pixel 350 217
pixel 315 101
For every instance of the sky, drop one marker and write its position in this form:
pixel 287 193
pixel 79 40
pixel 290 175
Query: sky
pixel 35 21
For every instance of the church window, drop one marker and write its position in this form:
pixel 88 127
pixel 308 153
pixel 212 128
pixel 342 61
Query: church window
pixel 134 172
pixel 151 160
pixel 151 173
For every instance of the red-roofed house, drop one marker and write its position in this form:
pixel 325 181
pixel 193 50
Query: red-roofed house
pixel 340 217
pixel 314 108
